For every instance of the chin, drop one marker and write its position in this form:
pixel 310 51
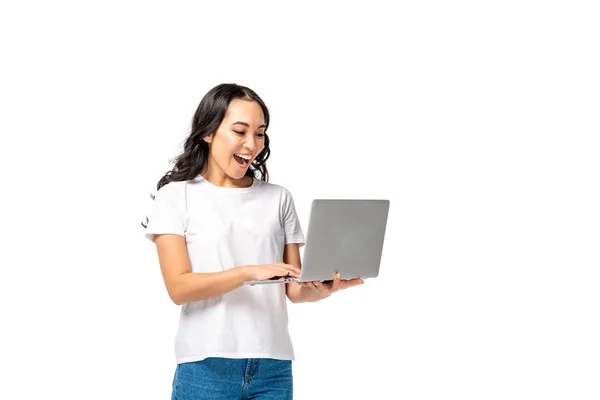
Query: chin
pixel 238 174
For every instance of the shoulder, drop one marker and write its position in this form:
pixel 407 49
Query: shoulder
pixel 172 188
pixel 279 193
pixel 275 188
pixel 173 193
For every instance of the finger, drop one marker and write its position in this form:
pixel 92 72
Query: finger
pixel 289 272
pixel 293 268
pixel 290 266
pixel 282 273
pixel 352 282
pixel 355 281
pixel 336 284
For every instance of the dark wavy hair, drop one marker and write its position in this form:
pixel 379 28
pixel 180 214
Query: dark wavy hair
pixel 206 120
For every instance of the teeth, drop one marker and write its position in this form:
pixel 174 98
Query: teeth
pixel 244 157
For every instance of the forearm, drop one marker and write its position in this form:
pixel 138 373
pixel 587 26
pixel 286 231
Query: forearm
pixel 300 294
pixel 195 286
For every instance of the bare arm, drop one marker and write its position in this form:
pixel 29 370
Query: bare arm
pixel 296 292
pixel 185 286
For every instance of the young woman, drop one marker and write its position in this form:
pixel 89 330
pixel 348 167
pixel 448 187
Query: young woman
pixel 216 225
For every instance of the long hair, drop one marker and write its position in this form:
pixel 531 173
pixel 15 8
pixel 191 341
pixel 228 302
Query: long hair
pixel 206 120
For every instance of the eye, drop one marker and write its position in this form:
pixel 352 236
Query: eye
pixel 260 134
pixel 240 133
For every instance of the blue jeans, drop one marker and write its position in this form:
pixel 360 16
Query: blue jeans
pixel 230 378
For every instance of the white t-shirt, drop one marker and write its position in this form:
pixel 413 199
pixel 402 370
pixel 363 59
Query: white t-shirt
pixel 226 228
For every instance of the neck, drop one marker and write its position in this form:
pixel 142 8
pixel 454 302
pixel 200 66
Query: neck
pixel 218 177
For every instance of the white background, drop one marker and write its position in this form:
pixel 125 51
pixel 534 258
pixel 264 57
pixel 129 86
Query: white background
pixel 478 120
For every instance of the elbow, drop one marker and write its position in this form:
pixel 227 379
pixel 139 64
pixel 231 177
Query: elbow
pixel 292 295
pixel 175 299
pixel 297 300
pixel 178 291
pixel 176 296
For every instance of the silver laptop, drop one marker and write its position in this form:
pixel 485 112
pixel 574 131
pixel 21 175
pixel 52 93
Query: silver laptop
pixel 344 236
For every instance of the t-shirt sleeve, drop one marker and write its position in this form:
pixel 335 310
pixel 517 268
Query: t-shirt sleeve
pixel 291 223
pixel 167 213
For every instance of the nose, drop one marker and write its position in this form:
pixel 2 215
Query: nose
pixel 250 143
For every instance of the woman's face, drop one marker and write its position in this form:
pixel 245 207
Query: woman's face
pixel 239 138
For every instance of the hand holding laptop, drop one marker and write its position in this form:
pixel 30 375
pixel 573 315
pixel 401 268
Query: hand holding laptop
pixel 326 288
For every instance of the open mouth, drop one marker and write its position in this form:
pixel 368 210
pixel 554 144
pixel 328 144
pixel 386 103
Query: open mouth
pixel 242 160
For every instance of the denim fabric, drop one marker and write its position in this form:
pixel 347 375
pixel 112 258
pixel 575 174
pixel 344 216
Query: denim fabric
pixel 229 379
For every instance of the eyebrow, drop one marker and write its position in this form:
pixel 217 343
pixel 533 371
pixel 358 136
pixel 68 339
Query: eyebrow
pixel 247 125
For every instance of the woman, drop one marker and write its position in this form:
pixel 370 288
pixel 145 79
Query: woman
pixel 215 226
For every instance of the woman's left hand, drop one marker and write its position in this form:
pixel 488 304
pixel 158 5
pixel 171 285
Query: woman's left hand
pixel 326 289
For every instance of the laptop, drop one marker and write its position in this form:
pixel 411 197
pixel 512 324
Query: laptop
pixel 344 236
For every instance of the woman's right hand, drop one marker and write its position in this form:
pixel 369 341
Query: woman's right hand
pixel 267 271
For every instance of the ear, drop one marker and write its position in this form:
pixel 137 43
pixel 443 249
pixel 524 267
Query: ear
pixel 208 139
